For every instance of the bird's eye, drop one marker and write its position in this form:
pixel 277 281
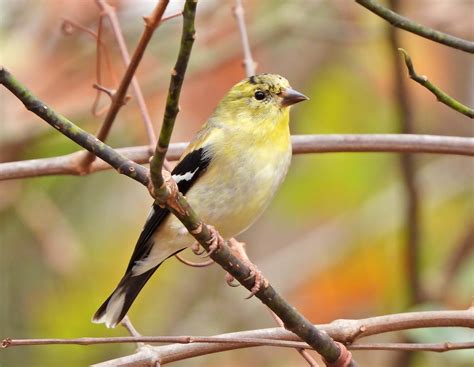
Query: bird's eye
pixel 259 95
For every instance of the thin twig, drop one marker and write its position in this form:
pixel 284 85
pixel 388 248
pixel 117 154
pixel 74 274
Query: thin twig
pixel 302 144
pixel 67 27
pixel 404 23
pixel 109 11
pixel 241 343
pixel 151 23
pixel 248 62
pixel 412 347
pixel 174 91
pixel 127 324
pixel 344 330
pixel 440 95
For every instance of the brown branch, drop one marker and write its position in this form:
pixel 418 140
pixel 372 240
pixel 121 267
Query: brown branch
pixel 151 23
pixel 127 324
pixel 111 14
pixel 346 331
pixel 241 342
pixel 248 62
pixel 412 347
pixel 302 144
pixel 67 27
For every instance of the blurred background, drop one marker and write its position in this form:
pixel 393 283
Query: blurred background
pixel 333 241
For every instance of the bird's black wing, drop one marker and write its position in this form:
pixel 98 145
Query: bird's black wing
pixel 186 173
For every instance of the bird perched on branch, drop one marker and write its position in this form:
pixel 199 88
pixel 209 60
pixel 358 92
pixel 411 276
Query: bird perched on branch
pixel 229 174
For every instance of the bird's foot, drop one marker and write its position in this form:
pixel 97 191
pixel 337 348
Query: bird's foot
pixel 238 248
pixel 259 280
pixel 196 249
pixel 230 280
pixel 216 241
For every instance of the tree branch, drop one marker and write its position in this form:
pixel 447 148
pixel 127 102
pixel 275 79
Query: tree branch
pixel 346 331
pixel 151 23
pixel 302 144
pixel 440 95
pixel 404 23
pixel 174 91
pixel 73 132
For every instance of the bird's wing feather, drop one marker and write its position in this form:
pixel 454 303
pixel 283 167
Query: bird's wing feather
pixel 186 173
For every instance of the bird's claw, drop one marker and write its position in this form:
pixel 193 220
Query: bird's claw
pixel 215 243
pixel 230 280
pixel 259 280
pixel 196 249
pixel 238 248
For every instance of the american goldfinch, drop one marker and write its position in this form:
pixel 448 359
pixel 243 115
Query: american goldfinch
pixel 229 174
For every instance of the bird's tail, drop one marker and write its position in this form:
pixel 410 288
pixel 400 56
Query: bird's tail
pixel 114 309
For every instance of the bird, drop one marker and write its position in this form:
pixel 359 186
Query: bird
pixel 228 173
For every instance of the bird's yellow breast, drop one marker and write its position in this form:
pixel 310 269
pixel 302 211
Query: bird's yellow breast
pixel 239 184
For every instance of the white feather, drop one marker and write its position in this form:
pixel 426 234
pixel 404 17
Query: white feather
pixel 186 176
pixel 112 313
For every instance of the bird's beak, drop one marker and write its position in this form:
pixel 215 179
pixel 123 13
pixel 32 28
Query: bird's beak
pixel 289 97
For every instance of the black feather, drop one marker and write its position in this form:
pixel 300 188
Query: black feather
pixel 196 162
pixel 130 285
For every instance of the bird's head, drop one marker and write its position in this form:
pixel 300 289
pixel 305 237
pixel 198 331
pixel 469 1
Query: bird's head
pixel 258 98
